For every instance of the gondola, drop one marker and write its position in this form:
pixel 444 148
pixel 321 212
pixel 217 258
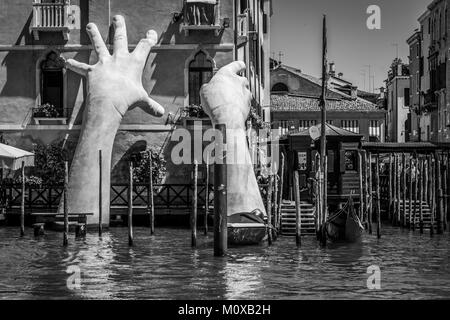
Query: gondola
pixel 246 228
pixel 344 225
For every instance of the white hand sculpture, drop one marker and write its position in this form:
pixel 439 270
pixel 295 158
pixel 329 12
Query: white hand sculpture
pixel 226 99
pixel 114 84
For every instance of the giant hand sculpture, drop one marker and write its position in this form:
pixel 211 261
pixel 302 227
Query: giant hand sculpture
pixel 226 99
pixel 114 84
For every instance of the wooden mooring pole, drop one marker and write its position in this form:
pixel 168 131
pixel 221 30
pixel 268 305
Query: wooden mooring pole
pixel 370 193
pixel 394 190
pixel 65 205
pixel 377 184
pixel 22 202
pixel 410 189
pixel 194 208
pixel 440 194
pixel 416 186
pixel 431 187
pixel 269 209
pixel 391 167
pixel 399 173
pixel 220 194
pixel 420 180
pixel 130 205
pixel 361 193
pixel 404 183
pixel 275 204
pixel 206 197
pixel 150 196
pixel 298 212
pixel 280 200
pixel 100 197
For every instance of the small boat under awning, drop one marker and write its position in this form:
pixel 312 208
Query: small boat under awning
pixel 12 158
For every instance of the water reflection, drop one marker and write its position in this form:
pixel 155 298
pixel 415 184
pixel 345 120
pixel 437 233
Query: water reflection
pixel 165 266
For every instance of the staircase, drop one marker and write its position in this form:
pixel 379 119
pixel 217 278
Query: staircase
pixel 426 213
pixel 288 218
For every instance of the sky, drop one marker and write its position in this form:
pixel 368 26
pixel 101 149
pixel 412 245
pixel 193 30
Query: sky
pixel 296 31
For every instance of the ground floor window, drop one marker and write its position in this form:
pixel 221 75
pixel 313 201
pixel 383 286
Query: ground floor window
pixel 374 129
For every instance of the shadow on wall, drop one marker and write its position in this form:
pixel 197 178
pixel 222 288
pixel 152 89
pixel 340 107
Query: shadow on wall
pixel 120 172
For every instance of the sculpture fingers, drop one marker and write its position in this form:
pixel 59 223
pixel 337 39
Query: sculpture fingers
pixel 78 67
pixel 120 35
pixel 151 106
pixel 97 41
pixel 144 46
pixel 235 67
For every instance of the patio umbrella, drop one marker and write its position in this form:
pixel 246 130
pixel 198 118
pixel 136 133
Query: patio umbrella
pixel 14 159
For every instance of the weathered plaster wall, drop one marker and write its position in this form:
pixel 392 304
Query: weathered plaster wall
pixel 164 75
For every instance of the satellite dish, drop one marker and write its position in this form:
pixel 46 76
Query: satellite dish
pixel 314 133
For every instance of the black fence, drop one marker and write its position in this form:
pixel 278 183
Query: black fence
pixel 164 196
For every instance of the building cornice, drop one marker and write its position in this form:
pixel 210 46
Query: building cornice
pixel 77 47
pixel 123 127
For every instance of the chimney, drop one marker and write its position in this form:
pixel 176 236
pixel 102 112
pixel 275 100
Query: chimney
pixel 399 69
pixel 354 92
pixel 332 69
pixel 340 75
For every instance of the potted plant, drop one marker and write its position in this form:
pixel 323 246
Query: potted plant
pixel 48 114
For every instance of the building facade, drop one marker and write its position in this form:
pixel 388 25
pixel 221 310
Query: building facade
pixel 295 105
pixel 42 102
pixel 431 99
pixel 398 103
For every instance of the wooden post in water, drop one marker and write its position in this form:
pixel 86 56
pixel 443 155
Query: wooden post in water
pixel 269 209
pixel 410 189
pixel 444 187
pixel 420 181
pixel 399 172
pixel 425 181
pixel 416 186
pixel 377 184
pixel 275 203
pixel 22 202
pixel 65 205
pixel 280 201
pixel 370 193
pixel 439 193
pixel 100 198
pixel 394 190
pixel 194 208
pixel 130 205
pixel 298 212
pixel 220 195
pixel 404 189
pixel 206 197
pixel 431 187
pixel 361 193
pixel 150 198
pixel 391 167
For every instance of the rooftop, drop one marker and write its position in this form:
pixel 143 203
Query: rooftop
pixel 293 103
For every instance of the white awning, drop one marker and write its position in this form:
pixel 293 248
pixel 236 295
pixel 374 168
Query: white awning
pixel 202 1
pixel 12 158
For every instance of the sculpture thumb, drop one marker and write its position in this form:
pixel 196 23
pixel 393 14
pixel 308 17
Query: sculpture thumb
pixel 151 106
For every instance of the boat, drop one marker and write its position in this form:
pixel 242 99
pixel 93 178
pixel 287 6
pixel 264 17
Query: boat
pixel 345 224
pixel 246 228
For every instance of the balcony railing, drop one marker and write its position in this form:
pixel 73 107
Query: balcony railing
pixel 59 116
pixel 50 17
pixel 201 15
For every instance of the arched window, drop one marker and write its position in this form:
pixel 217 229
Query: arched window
pixel 200 72
pixel 280 87
pixel 52 81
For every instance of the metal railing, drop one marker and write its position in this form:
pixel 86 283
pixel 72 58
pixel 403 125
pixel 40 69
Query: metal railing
pixel 57 113
pixel 50 15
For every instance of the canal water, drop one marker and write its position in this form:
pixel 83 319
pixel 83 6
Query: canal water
pixel 164 266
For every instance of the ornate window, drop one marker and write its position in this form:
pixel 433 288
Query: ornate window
pixel 52 81
pixel 200 72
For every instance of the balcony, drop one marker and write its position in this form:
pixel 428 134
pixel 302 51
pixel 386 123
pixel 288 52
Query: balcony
pixel 47 115
pixel 50 17
pixel 201 15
